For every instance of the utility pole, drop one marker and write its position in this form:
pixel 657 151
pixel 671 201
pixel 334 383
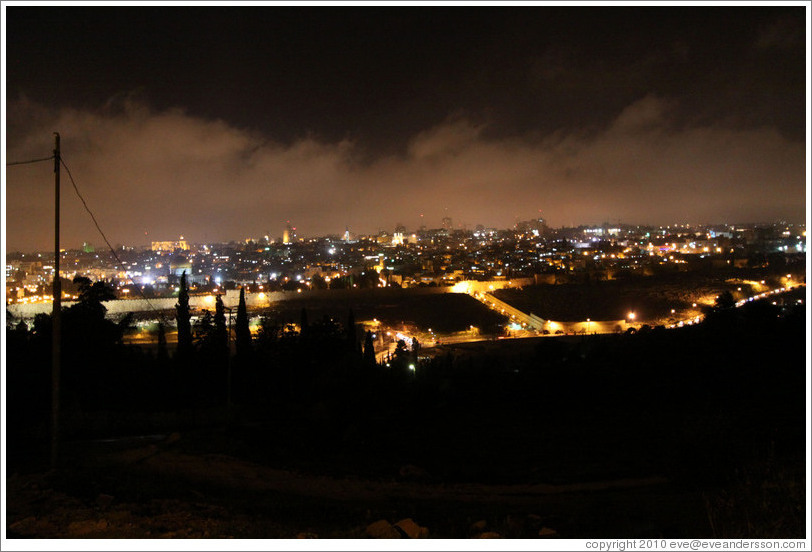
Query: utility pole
pixel 56 317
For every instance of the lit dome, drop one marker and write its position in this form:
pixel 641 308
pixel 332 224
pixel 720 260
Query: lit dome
pixel 180 263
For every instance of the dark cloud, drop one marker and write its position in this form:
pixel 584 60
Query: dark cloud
pixel 170 173
pixel 222 123
pixel 784 32
pixel 380 75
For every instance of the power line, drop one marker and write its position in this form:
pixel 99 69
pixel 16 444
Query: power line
pixel 112 249
pixel 30 161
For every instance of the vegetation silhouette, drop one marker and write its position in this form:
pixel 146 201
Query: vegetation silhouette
pixel 701 405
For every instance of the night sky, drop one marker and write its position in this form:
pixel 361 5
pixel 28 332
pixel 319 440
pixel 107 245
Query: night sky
pixel 222 123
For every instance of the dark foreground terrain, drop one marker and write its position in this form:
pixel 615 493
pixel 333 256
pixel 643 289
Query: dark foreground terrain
pixel 692 432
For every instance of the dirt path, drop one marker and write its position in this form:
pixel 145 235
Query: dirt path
pixel 238 474
pixel 157 490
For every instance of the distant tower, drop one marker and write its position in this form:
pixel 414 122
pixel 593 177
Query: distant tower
pixel 448 223
pixel 289 234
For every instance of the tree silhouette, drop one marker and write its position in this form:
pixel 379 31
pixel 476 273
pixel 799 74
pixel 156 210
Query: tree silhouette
pixel 87 317
pixel 90 342
pixel 91 296
pixel 220 330
pixel 210 371
pixel 724 300
pixel 303 324
pixel 415 348
pixel 163 355
pixel 184 318
pixel 318 282
pixel 241 329
pixel 369 349
pixel 204 328
pixel 402 356
pixel 338 283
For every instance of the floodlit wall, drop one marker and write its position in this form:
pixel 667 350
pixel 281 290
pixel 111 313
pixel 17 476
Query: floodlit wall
pixel 475 286
pixel 231 299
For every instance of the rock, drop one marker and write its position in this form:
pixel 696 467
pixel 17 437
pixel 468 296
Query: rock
pixel 86 527
pixel 173 437
pixel 382 529
pixel 411 529
pixel 34 527
pixel 307 535
pixel 23 525
pixel 489 535
pixel 479 525
pixel 547 532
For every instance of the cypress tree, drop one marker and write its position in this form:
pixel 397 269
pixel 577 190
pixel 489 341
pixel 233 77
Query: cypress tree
pixel 241 330
pixel 369 349
pixel 220 367
pixel 184 317
pixel 220 330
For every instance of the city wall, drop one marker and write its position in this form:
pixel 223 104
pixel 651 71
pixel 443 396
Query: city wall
pixel 260 300
pixel 231 299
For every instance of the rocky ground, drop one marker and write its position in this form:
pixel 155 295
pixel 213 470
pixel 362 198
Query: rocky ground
pixel 157 490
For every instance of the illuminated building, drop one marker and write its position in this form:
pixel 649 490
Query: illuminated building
pixel 170 246
pixel 289 234
pixel 178 265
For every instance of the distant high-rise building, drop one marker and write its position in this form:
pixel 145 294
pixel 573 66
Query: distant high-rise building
pixel 289 234
pixel 448 223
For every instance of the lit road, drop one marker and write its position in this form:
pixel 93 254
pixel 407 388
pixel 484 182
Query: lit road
pixel 386 344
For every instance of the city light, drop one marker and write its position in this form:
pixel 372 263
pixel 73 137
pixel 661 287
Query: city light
pixel 530 128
